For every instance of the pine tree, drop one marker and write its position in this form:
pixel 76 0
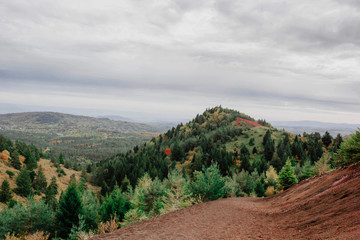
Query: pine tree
pixel 23 182
pixel 5 192
pixel 40 183
pixel 70 207
pixel 50 194
pixel 177 153
pixel 287 176
pixel 327 139
pixel 61 158
pixel 269 150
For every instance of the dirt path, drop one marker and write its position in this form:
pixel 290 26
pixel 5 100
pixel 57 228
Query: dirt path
pixel 325 207
pixel 234 218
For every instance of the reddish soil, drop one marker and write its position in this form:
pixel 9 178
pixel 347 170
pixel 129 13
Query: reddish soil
pixel 325 207
pixel 253 124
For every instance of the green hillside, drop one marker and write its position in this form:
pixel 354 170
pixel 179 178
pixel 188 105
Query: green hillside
pixel 79 138
pixel 216 136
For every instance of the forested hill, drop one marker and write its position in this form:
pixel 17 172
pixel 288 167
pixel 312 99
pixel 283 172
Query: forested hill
pixel 79 138
pixel 233 140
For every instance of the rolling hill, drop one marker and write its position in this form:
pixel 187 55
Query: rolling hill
pixel 80 138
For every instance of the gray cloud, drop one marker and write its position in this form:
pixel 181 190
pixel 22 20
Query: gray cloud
pixel 280 55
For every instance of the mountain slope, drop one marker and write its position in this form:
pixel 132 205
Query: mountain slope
pixel 324 207
pixel 78 137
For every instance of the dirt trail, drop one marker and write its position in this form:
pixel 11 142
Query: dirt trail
pixel 326 207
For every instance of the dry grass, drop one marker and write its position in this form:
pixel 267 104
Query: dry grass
pixel 34 236
pixel 108 226
pixel 49 172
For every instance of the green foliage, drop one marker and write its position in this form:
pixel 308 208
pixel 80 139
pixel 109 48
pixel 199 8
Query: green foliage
pixel 10 173
pixel 327 139
pixel 232 188
pixel 349 151
pixel 177 153
pixel 287 176
pixel 322 165
pixel 115 204
pixel 50 194
pixel 178 193
pixel 61 158
pixel 70 207
pixel 34 216
pixel 39 184
pixel 208 185
pixel 91 209
pixel 23 182
pixel 304 172
pixel 5 192
pixel 147 200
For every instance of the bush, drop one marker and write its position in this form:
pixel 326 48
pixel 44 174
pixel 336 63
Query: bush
pixel 10 173
pixel 208 185
pixel 115 204
pixel 178 192
pixel 349 151
pixel 147 200
pixel 33 217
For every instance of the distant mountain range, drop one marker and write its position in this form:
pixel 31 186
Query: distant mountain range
pixel 298 127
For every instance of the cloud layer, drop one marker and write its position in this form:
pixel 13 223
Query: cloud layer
pixel 272 59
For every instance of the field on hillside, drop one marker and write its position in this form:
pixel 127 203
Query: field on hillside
pixel 81 139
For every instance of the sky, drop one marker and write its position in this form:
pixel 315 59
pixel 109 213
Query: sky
pixel 171 59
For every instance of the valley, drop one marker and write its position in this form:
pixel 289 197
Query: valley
pixel 81 139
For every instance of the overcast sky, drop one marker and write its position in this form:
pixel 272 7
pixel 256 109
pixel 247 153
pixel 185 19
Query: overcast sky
pixel 171 59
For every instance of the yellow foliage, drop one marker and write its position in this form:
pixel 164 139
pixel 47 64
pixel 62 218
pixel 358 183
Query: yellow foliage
pixel 5 155
pixel 270 191
pixel 34 236
pixel 108 226
pixel 271 175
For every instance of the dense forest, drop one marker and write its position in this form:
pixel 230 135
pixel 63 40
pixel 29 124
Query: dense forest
pixel 220 153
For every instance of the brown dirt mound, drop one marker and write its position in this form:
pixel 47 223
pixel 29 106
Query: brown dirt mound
pixel 325 207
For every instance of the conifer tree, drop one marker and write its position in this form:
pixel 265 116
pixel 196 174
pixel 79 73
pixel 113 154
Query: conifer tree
pixel 5 192
pixel 70 207
pixel 23 182
pixel 40 183
pixel 327 139
pixel 287 176
pixel 177 153
pixel 50 194
pixel 61 158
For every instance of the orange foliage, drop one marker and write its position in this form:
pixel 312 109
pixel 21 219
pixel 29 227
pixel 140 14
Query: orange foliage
pixel 168 151
pixel 21 159
pixel 3 156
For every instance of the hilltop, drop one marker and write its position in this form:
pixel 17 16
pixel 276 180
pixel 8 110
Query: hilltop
pixel 80 138
pixel 325 207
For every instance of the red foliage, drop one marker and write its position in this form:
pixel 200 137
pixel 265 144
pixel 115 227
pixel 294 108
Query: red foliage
pixel 165 137
pixel 168 151
pixel 253 124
